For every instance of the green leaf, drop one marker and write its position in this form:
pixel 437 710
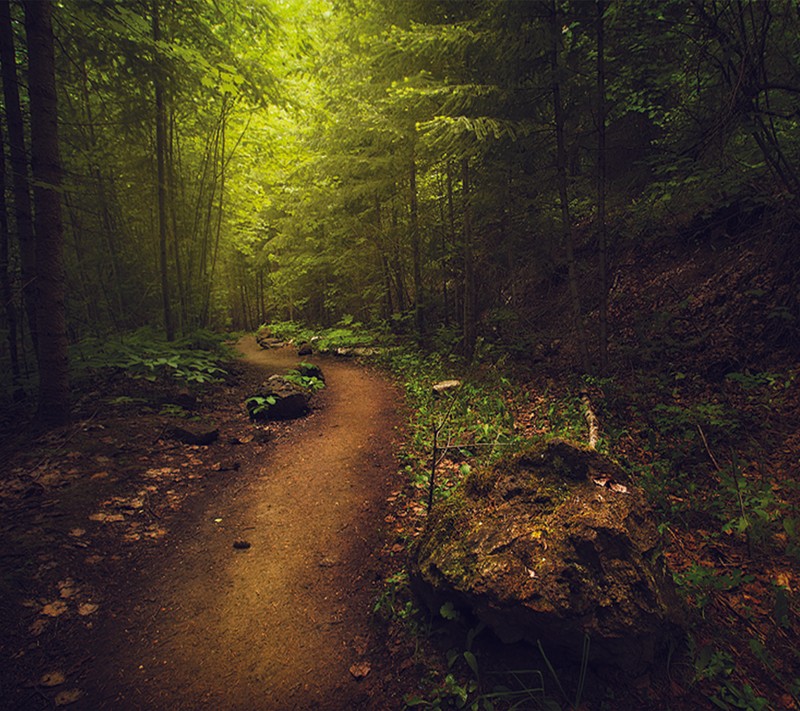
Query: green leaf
pixel 448 611
pixel 472 662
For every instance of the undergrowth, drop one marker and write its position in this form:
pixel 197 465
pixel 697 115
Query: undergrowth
pixel 473 422
pixel 348 333
pixel 195 359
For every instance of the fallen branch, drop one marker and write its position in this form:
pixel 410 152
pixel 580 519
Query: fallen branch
pixel 591 420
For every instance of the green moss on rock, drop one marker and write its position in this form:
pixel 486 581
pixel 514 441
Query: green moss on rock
pixel 540 547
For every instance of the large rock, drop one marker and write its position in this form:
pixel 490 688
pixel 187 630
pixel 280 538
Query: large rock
pixel 278 399
pixel 266 340
pixel 550 546
pixel 310 370
pixel 356 351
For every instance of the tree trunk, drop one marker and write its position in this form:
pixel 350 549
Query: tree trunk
pixel 161 149
pixel 220 211
pixel 561 177
pixel 470 305
pixel 19 169
pixel 416 259
pixel 110 226
pixel 399 272
pixel 46 170
pixel 450 231
pixel 173 216
pixel 601 186
pixel 6 289
pixel 388 305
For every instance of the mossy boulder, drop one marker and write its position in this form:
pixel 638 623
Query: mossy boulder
pixel 552 545
pixel 278 399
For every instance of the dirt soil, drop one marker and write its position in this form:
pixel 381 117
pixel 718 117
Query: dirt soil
pixel 240 575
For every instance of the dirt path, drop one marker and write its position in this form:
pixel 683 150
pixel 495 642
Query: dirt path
pixel 278 625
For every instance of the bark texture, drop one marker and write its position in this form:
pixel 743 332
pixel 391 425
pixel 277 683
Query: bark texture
pixel 46 170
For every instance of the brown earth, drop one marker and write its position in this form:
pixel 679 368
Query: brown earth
pixel 189 620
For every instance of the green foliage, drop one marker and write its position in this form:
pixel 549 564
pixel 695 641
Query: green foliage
pixel 348 334
pixel 257 404
pixel 448 611
pixel 170 409
pixel 142 355
pixel 683 420
pixel 307 382
pixel 734 696
pixel 464 684
pixel 701 582
pixel 758 509
pixel 474 421
pixel 753 381
pixel 718 667
pixel 711 663
pixel 396 603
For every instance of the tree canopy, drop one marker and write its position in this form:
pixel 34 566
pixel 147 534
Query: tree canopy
pixel 425 166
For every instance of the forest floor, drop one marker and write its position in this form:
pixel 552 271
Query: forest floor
pixel 122 587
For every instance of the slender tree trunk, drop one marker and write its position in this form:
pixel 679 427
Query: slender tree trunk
pixel 161 143
pixel 450 232
pixel 109 227
pixel 220 209
pixel 601 185
pixel 173 216
pixel 470 301
pixel 399 273
pixel 46 170
pixel 88 289
pixel 19 169
pixel 388 305
pixel 416 259
pixel 262 297
pixel 6 289
pixel 561 163
pixel 206 250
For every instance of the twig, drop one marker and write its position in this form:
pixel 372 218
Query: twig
pixel 438 389
pixel 708 449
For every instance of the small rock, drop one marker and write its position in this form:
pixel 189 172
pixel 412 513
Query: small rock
pixel 183 398
pixel 445 385
pixel 196 437
pixel 241 545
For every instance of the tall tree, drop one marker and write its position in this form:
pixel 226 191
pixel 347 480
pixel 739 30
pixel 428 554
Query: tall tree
pixel 470 317
pixel 54 392
pixel 561 177
pixel 161 181
pixel 6 288
pixel 601 184
pixel 19 166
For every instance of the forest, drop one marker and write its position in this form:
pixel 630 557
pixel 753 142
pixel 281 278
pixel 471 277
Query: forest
pixel 579 217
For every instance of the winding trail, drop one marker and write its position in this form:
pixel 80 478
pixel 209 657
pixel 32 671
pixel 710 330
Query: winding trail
pixel 279 625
